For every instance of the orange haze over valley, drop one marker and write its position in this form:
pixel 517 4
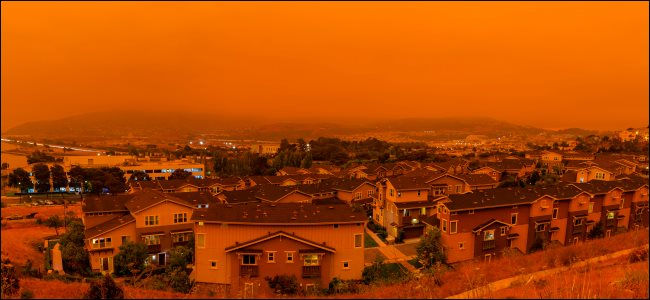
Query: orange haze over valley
pixel 542 64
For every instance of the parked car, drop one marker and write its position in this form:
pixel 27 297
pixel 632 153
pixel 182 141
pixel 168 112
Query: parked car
pixel 48 202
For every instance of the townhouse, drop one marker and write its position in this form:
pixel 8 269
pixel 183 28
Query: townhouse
pixel 481 224
pixel 159 220
pixel 240 245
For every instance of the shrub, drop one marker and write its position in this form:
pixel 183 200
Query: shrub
pixel 104 289
pixel 180 281
pixel 283 284
pixel 28 270
pixel 26 294
pixel 130 259
pixel 379 272
pixel 337 286
pixel 430 249
pixel 596 231
pixel 400 236
pixel 10 282
pixel 638 255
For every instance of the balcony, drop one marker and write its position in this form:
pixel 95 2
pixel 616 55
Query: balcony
pixel 153 248
pixel 578 229
pixel 487 245
pixel 176 244
pixel 310 271
pixel 251 271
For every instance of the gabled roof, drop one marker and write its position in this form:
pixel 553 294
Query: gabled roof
pixel 403 183
pixel 509 196
pixel 350 184
pixel 196 198
pixel 106 203
pixel 477 179
pixel 488 223
pixel 108 226
pixel 280 234
pixel 148 198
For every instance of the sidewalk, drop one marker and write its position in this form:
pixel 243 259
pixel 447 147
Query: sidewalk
pixel 393 255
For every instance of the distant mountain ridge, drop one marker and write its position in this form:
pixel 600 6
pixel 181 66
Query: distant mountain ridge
pixel 171 124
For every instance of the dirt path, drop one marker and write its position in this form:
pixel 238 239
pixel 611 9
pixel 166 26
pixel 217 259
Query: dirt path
pixel 505 283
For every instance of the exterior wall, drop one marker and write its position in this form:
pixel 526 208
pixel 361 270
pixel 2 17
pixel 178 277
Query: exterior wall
pixel 453 182
pixel 219 236
pixel 165 211
pixel 452 242
pixel 349 196
pixel 162 170
pixel 560 222
pixel 500 241
pixel 116 241
pixel 280 246
pixel 496 175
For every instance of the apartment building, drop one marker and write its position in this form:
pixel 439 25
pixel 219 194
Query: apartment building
pixel 159 220
pixel 243 244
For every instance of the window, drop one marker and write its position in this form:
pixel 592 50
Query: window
pixel 213 264
pixel 407 213
pixel 181 237
pixel 555 212
pixel 439 209
pixel 357 195
pixel 270 256
pixel 346 265
pixel 370 192
pixel 514 207
pixel 290 257
pixel 449 188
pixel 151 239
pixel 104 242
pixel 471 212
pixel 125 239
pixel 358 240
pixel 311 260
pixel 503 230
pixel 444 225
pixel 399 194
pixel 577 222
pixel 459 188
pixel 453 227
pixel 423 211
pixel 622 203
pixel 180 218
pixel 453 213
pixel 461 245
pixel 600 175
pixel 591 207
pixel 391 192
pixel 200 240
pixel 513 219
pixel 418 192
pixel 336 226
pixel 488 235
pixel 201 222
pixel 151 220
pixel 249 259
pixel 540 227
pixel 611 215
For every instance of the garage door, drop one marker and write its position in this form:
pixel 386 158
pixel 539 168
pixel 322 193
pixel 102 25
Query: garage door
pixel 413 232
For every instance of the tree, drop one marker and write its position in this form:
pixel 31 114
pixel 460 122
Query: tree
pixel 42 175
pixel 130 260
pixel 39 157
pixel 139 176
pixel 73 251
pixel 20 178
pixel 179 258
pixel 596 231
pixel 104 289
pixel 534 177
pixel 5 165
pixel 59 179
pixel 77 177
pixel 55 222
pixel 430 249
pixel 180 174
pixel 306 162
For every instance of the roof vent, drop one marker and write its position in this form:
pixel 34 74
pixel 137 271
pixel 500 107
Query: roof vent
pixel 331 207
pixel 293 218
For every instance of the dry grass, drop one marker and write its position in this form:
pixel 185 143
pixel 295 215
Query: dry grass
pixel 42 211
pixel 18 243
pixel 470 275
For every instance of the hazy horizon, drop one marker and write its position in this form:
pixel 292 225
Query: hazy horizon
pixel 540 64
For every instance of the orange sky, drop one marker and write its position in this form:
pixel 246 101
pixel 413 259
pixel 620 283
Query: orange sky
pixel 545 64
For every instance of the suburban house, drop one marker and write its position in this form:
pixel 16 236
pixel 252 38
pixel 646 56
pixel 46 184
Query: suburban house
pixel 159 220
pixel 240 245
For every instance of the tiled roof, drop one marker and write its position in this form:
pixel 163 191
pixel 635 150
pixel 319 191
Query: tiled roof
pixel 477 179
pixel 106 203
pixel 241 196
pixel 108 225
pixel 409 183
pixel 279 213
pixel 508 196
pixel 197 198
pixel 146 198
